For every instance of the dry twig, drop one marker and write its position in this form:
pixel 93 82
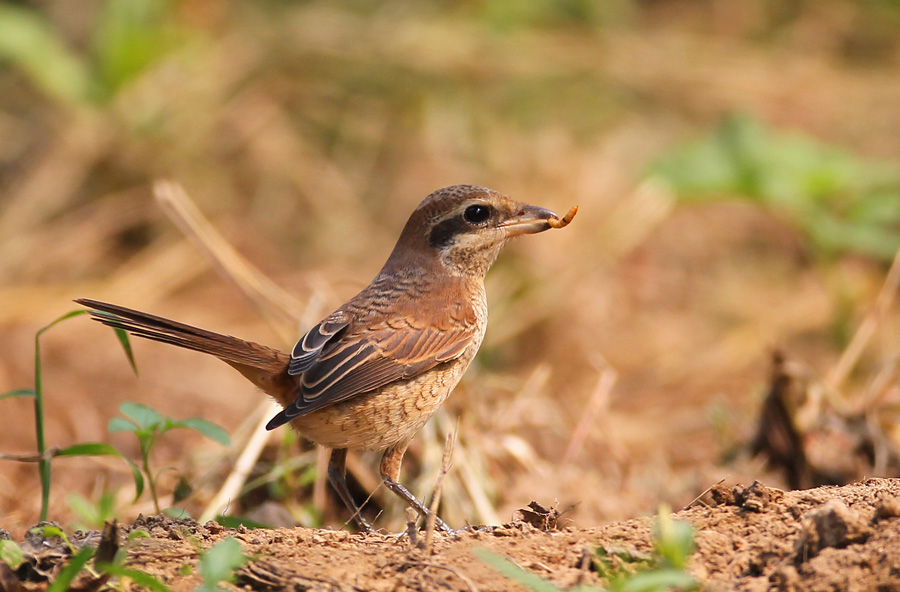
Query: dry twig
pixel 236 479
pixel 867 328
pixel 598 403
pixel 438 486
pixel 275 303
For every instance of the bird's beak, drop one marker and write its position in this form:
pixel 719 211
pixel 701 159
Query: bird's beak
pixel 528 220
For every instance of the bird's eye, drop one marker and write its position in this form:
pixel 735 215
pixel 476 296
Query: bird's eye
pixel 477 214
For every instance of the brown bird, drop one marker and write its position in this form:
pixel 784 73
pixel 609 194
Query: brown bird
pixel 371 373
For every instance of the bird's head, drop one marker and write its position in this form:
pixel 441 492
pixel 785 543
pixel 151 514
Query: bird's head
pixel 463 228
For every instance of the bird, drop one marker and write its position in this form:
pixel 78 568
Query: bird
pixel 371 373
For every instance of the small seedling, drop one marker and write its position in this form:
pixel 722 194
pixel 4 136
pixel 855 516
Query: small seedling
pixel 144 422
pixel 99 574
pixel 93 514
pixel 239 521
pixel 45 455
pixel 624 571
pixel 11 554
pixel 64 579
pixel 148 426
pixel 48 531
pixel 219 563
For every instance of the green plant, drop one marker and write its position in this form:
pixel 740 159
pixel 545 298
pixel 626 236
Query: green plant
pixel 624 571
pixel 44 455
pixel 148 426
pixel 665 569
pixel 840 201
pixel 288 473
pixel 128 38
pixel 102 571
pixel 64 579
pixel 239 521
pixel 219 562
pixel 11 554
pixel 92 514
pixel 44 462
pixel 144 422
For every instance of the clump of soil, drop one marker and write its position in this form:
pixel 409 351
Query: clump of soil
pixel 747 538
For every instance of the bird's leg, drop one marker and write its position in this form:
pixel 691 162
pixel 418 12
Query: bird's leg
pixel 337 476
pixel 390 472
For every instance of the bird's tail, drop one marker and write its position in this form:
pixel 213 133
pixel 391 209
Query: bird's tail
pixel 262 365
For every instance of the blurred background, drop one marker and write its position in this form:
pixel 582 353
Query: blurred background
pixel 736 165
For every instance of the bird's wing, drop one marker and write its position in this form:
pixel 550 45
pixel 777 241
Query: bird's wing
pixel 336 362
pixel 310 346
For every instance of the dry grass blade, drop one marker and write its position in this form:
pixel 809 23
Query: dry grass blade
pixel 438 488
pixel 231 488
pixel 276 304
pixel 699 498
pixel 630 222
pixel 598 403
pixel 363 505
pixel 867 328
pixel 282 310
pixel 472 479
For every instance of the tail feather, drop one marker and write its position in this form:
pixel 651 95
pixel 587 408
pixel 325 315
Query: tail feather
pixel 264 366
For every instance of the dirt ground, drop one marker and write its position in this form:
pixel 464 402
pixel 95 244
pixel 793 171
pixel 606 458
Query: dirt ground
pixel 627 358
pixel 747 538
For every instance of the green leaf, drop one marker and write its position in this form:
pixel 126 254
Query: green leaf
pixel 26 392
pixel 86 510
pixel 68 573
pixel 44 462
pixel 673 539
pixel 660 580
pixel 120 557
pixel 138 477
pixel 101 449
pixel 129 37
pixel 142 415
pixel 138 577
pixel 842 202
pixel 89 449
pixel 509 569
pixel 50 530
pixel 219 562
pixel 68 315
pixel 126 345
pixel 120 424
pixel 29 42
pixel 183 490
pixel 138 533
pixel 207 428
pixel 177 513
pixel 11 554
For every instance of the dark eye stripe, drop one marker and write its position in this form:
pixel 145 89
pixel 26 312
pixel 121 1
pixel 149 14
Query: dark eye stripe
pixel 475 215
pixel 443 232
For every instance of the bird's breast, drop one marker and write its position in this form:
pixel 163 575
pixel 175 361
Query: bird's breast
pixel 387 416
pixel 395 412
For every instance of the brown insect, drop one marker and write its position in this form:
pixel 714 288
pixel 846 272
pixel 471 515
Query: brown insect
pixel 555 222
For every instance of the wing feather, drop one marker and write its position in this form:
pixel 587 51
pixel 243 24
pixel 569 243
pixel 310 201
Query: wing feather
pixel 336 363
pixel 310 346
